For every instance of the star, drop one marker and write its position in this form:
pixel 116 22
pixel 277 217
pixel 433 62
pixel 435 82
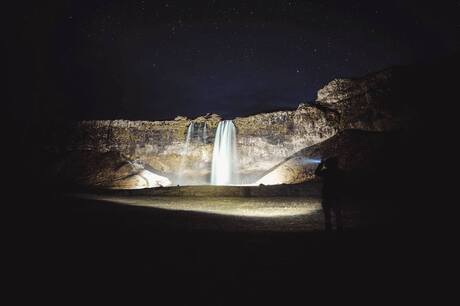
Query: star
pixel 278 43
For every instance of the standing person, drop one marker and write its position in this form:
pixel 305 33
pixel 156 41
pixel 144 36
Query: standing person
pixel 332 177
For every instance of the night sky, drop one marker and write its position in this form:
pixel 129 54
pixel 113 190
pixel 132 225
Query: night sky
pixel 159 59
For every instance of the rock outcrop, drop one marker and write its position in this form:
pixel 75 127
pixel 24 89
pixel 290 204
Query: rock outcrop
pixel 273 148
pixel 109 170
pixel 372 103
pixel 356 151
pixel 373 114
pixel 263 141
pixel 266 139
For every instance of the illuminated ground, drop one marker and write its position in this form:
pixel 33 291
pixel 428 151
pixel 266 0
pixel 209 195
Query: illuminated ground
pixel 221 250
pixel 234 213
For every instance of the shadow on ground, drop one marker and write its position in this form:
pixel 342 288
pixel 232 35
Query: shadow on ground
pixel 80 247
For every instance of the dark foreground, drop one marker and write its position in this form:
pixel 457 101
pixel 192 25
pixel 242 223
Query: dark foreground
pixel 79 248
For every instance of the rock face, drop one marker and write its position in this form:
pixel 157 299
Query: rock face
pixel 266 139
pixel 263 141
pixel 273 148
pixel 356 150
pixel 109 170
pixel 371 103
pixel 373 114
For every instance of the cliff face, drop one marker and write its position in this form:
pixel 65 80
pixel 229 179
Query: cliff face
pixel 377 102
pixel 263 140
pixel 158 145
pixel 266 139
pixel 380 118
pixel 374 103
pixel 356 151
pixel 109 170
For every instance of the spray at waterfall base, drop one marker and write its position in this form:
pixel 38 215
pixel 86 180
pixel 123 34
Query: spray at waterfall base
pixel 222 168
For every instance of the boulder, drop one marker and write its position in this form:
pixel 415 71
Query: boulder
pixel 104 170
pixel 356 150
pixel 376 102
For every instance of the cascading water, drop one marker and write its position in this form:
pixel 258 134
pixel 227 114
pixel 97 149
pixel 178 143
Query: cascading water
pixel 205 133
pixel 224 156
pixel 197 135
pixel 188 139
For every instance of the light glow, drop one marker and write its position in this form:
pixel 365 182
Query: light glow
pixel 283 173
pixel 141 180
pixel 273 207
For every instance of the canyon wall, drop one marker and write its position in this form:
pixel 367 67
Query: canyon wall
pixel 263 140
pixel 378 115
pixel 266 139
pixel 267 142
pixel 377 102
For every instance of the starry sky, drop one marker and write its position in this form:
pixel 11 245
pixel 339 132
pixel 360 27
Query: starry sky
pixel 152 60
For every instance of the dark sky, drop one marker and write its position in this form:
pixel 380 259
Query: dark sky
pixel 158 59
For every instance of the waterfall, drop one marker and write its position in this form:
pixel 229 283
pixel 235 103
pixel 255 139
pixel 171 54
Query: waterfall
pixel 205 133
pixel 224 156
pixel 197 135
pixel 190 131
pixel 185 151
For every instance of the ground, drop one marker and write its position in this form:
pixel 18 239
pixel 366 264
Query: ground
pixel 208 251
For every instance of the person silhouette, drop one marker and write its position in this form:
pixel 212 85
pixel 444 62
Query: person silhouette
pixel 331 193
